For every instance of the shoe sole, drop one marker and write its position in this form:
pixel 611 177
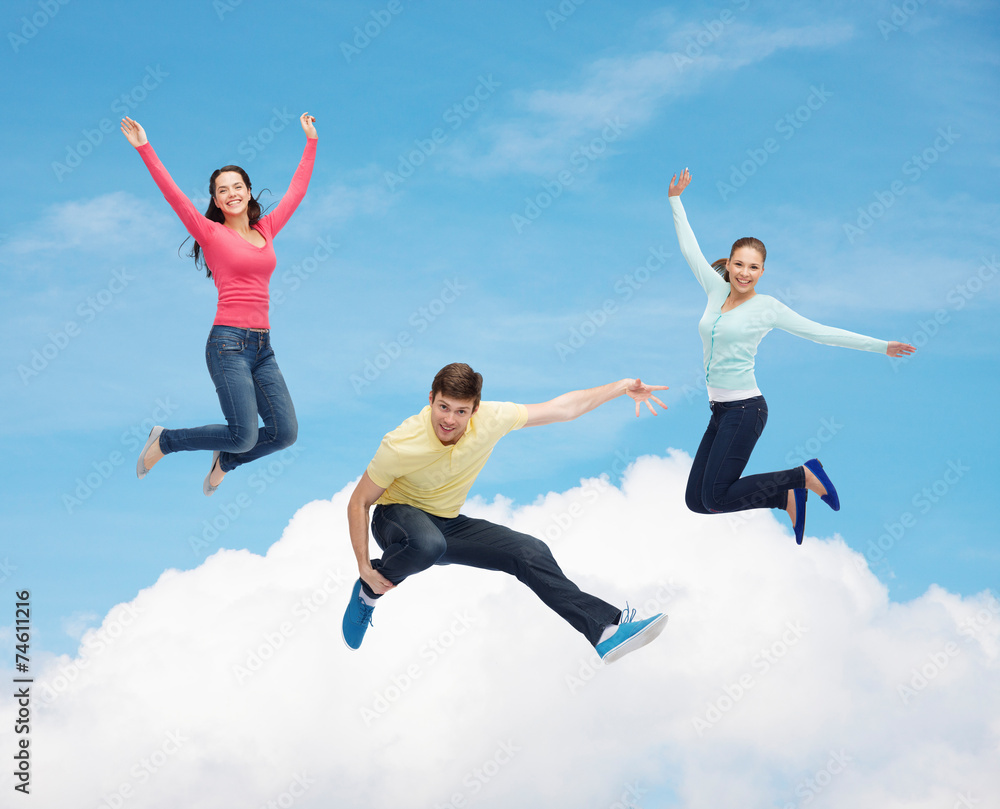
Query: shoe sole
pixel 355 591
pixel 637 641
pixel 207 488
pixel 800 515
pixel 140 468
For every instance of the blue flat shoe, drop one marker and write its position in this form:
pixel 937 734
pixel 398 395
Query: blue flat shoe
pixel 830 498
pixel 800 514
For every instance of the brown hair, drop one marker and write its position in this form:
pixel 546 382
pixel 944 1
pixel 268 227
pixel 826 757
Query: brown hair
pixel 214 213
pixel 458 381
pixel 747 241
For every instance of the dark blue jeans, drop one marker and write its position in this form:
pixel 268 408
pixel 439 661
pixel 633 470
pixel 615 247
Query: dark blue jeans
pixel 715 485
pixel 412 540
pixel 248 381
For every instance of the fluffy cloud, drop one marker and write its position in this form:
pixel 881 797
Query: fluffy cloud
pixel 615 96
pixel 785 676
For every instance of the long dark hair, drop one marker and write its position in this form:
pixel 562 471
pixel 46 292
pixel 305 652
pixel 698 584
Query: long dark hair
pixel 214 213
pixel 747 241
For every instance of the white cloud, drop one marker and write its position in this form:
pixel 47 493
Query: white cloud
pixel 784 673
pixel 111 221
pixel 623 93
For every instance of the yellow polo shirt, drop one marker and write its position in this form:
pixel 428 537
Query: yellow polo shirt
pixel 416 469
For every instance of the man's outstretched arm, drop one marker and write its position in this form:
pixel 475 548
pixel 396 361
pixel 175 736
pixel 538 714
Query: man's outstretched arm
pixel 575 403
pixel 364 496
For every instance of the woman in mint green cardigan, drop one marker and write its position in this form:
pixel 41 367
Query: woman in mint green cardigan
pixel 736 319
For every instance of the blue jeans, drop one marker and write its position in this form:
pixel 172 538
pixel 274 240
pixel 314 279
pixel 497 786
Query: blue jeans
pixel 715 485
pixel 412 540
pixel 248 381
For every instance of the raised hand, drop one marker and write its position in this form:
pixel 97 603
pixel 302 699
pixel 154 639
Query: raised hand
pixel 134 132
pixel 899 349
pixel 643 393
pixel 676 186
pixel 308 127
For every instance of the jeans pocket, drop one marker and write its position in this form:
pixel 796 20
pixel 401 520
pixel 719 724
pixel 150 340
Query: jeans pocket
pixel 228 345
pixel 761 421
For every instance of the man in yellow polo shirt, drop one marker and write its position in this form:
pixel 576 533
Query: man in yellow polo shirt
pixel 418 481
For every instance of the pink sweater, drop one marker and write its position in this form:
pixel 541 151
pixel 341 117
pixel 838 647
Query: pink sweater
pixel 241 271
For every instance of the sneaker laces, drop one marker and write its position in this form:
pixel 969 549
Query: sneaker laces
pixel 626 617
pixel 366 613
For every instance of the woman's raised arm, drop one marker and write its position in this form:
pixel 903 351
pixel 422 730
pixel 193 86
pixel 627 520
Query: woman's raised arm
pixel 194 222
pixel 707 277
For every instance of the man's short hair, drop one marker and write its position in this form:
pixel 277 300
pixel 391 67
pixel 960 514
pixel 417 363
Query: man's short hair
pixel 458 381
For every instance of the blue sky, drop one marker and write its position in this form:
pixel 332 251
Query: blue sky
pixel 821 114
pixel 490 187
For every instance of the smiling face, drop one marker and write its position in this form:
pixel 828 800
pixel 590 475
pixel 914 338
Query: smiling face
pixel 450 417
pixel 232 196
pixel 745 268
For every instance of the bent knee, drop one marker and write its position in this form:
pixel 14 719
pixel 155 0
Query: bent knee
pixel 243 442
pixel 696 505
pixel 430 549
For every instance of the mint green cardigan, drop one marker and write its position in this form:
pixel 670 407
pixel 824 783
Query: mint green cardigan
pixel 731 338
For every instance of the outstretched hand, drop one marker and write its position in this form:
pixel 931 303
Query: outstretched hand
pixel 643 393
pixel 134 132
pixel 308 127
pixel 676 186
pixel 899 349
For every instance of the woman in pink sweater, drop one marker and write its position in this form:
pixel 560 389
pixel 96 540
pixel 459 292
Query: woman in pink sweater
pixel 235 245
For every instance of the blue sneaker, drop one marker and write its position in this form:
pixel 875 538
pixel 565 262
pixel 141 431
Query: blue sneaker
pixel 357 619
pixel 630 636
